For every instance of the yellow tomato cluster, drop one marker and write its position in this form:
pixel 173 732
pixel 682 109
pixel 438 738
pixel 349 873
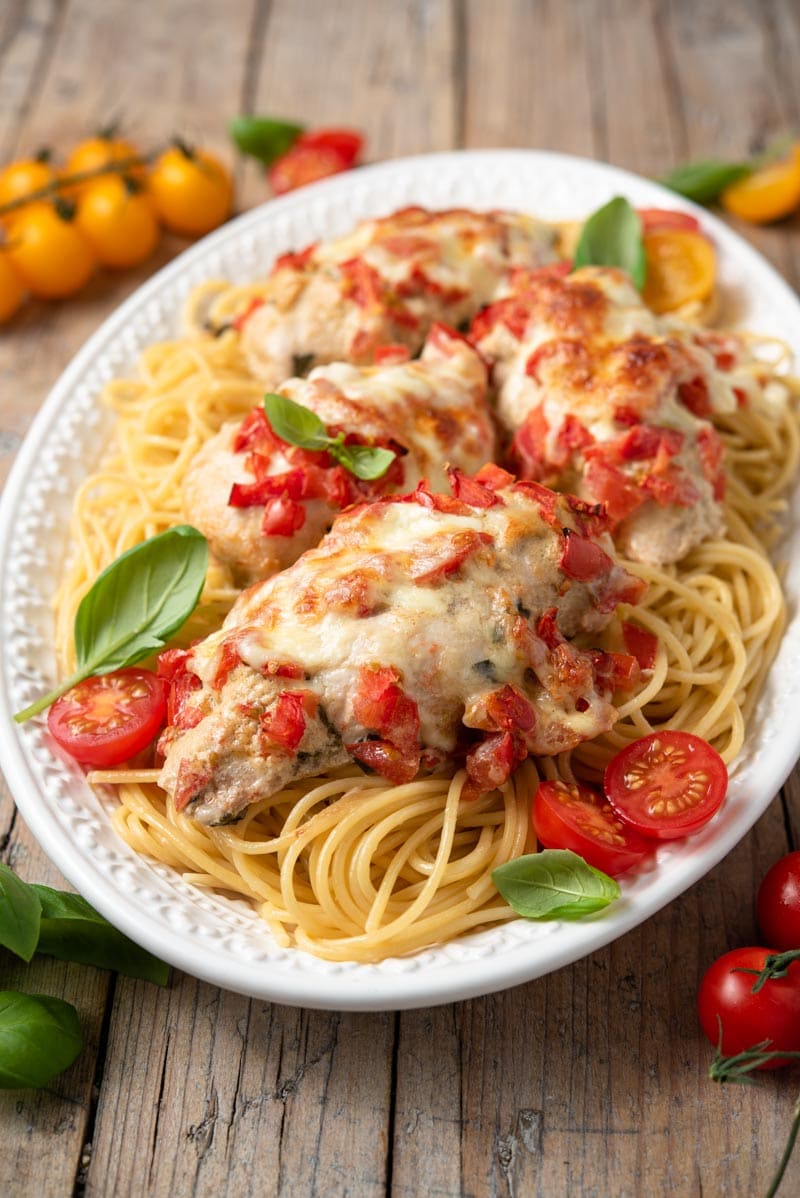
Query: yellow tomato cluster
pixel 105 207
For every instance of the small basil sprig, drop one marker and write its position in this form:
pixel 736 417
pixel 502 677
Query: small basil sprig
pixel 554 884
pixel 299 426
pixel 612 236
pixel 39 1037
pixel 60 924
pixel 263 137
pixel 704 180
pixel 134 606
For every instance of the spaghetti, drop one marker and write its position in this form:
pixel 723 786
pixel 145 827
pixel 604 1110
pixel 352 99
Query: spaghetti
pixel 349 867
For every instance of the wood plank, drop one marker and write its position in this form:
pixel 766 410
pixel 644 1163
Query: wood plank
pixel 57 92
pixel 529 76
pixel 224 1076
pixel 388 72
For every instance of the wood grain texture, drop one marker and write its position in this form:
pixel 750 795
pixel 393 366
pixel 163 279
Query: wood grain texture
pixel 591 1081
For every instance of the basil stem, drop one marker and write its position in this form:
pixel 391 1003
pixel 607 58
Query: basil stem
pixel 137 602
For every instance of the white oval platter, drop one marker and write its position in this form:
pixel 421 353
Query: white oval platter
pixel 220 940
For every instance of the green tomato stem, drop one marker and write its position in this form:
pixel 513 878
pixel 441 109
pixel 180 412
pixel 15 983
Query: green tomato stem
pixel 787 1152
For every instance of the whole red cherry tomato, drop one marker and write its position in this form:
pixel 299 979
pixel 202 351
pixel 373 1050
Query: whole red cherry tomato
pixel 779 903
pixel 729 1009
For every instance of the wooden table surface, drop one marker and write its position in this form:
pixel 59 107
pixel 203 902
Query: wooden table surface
pixel 591 1081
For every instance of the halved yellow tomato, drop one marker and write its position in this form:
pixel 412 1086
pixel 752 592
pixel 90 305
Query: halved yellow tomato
pixel 681 267
pixel 768 194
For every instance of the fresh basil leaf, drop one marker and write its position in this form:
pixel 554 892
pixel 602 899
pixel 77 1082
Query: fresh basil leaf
pixel 20 912
pixel 705 180
pixel 39 1037
pixel 365 461
pixel 263 137
pixel 134 606
pixel 295 424
pixel 612 236
pixel 72 930
pixel 554 884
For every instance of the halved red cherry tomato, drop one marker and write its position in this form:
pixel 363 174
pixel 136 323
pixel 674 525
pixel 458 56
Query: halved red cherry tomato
pixel 347 143
pixel 666 785
pixel 778 903
pixel 726 1001
pixel 302 165
pixel 578 818
pixel 109 718
pixel 667 218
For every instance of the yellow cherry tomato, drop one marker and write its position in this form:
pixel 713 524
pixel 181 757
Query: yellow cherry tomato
pixel 191 189
pixel 48 251
pixel 768 194
pixel 116 217
pixel 97 152
pixel 11 290
pixel 22 177
pixel 681 267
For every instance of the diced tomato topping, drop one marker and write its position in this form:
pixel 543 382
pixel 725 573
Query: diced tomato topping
pixel 671 488
pixel 712 451
pixel 282 669
pixel 641 643
pixel 229 659
pixel 547 628
pixel 470 491
pixel 648 441
pixel 511 312
pixel 362 283
pixel 694 396
pixel 392 354
pixel 592 517
pixel 614 671
pixel 285 723
pixel 582 559
pixel 543 496
pixel 507 710
pixel 627 416
pixel 255 432
pixel 385 759
pixel 418 281
pixel 190 781
pixel 295 259
pixel 282 517
pixel 435 501
pixel 381 705
pixel 610 486
pixel 527 450
pixel 437 561
pixel 573 435
pixel 489 764
pixel 493 477
pixel 291 483
pixel 240 321
pixel 173 666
